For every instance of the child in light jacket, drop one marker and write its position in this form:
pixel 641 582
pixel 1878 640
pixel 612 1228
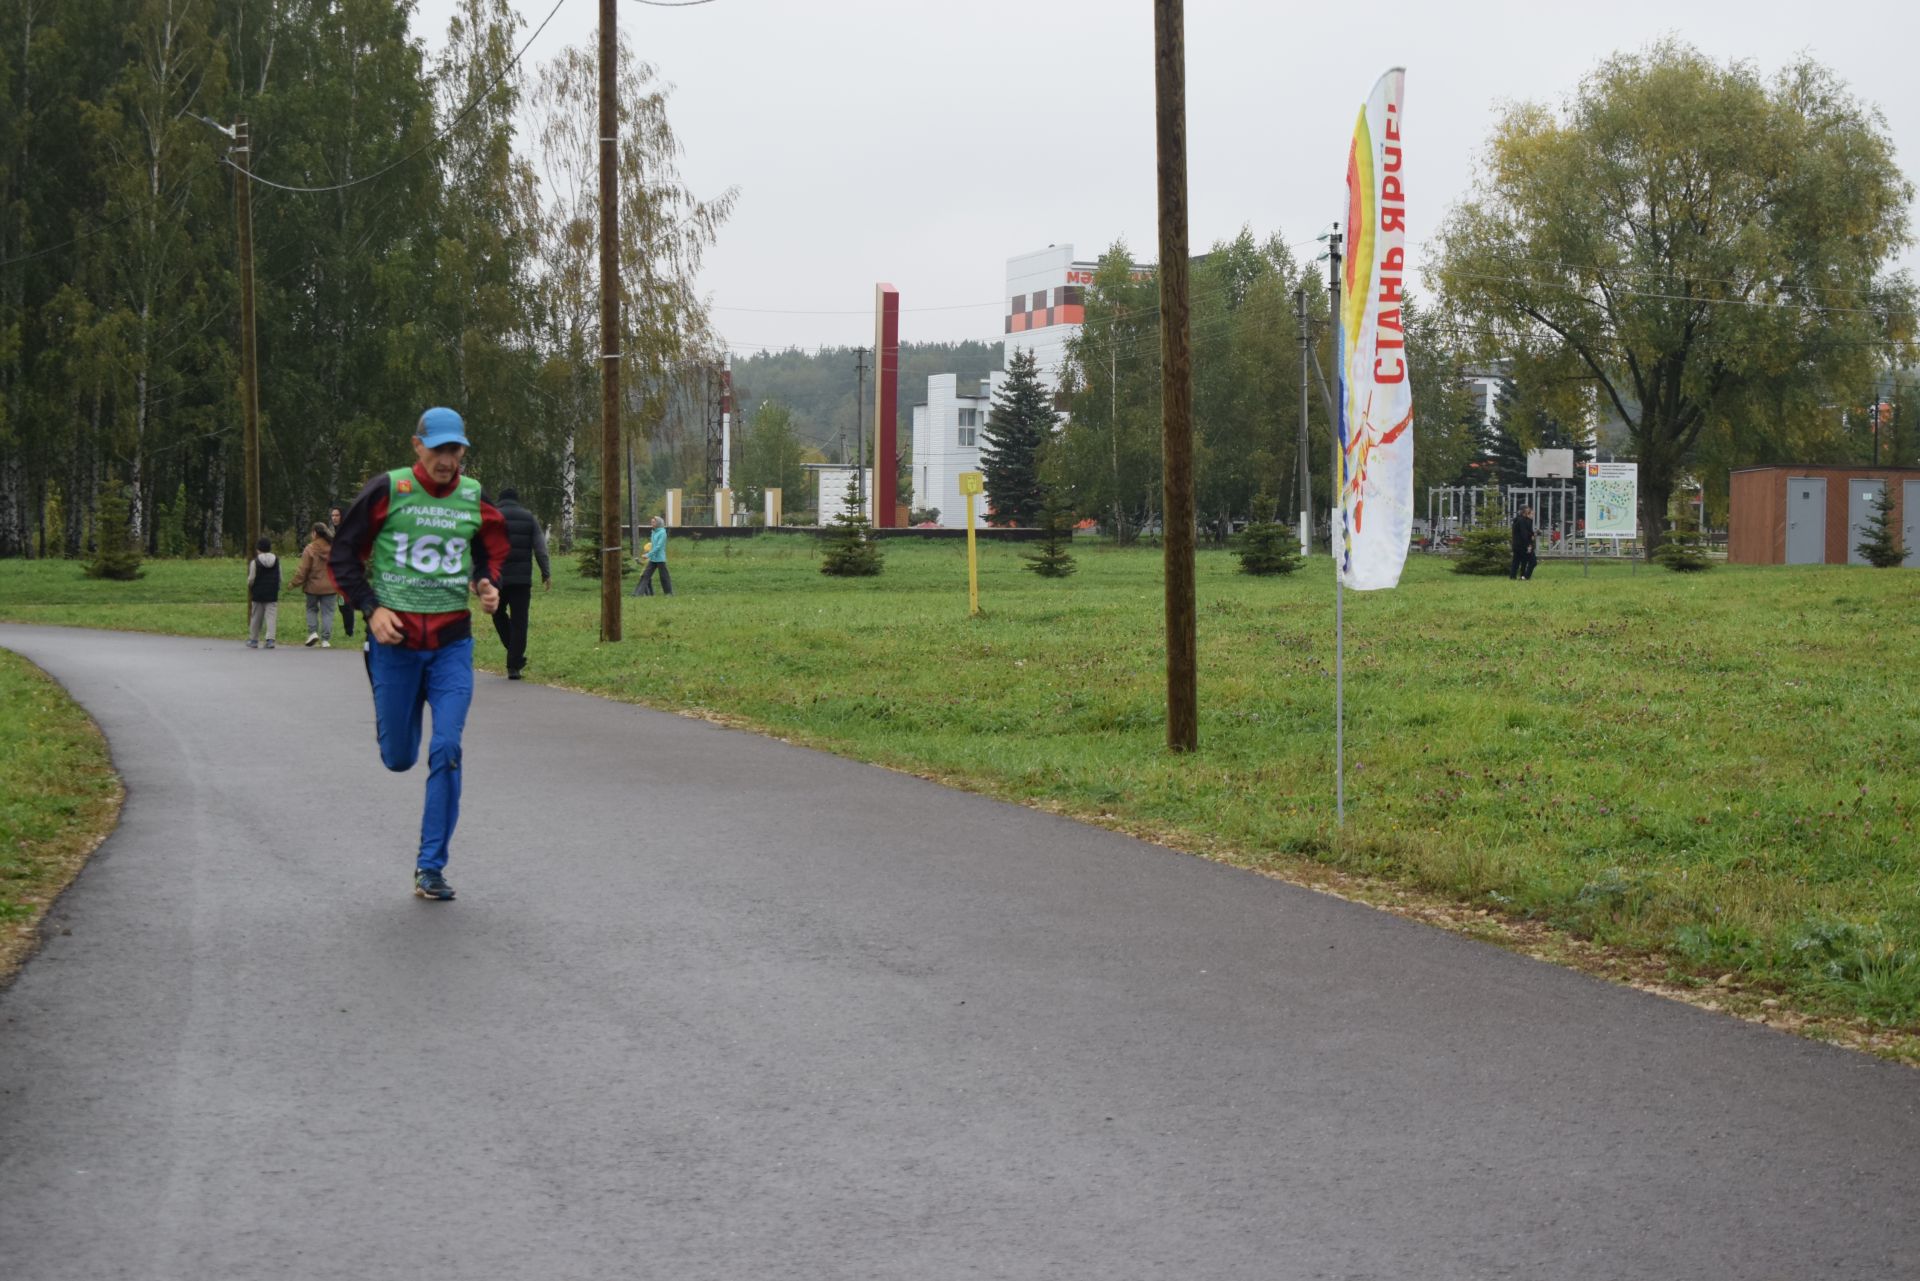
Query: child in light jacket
pixel 263 594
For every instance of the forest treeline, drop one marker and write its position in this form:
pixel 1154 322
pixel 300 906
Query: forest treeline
pixel 425 232
pixel 411 248
pixel 819 386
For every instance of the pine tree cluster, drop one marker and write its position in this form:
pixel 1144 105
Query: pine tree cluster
pixel 1883 547
pixel 1017 431
pixel 115 556
pixel 1268 547
pixel 851 549
pixel 1050 557
pixel 1684 551
pixel 1487 548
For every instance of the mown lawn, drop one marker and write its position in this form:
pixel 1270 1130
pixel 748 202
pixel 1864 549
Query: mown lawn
pixel 58 796
pixel 1715 772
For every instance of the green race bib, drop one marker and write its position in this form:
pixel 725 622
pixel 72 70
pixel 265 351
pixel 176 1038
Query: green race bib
pixel 422 557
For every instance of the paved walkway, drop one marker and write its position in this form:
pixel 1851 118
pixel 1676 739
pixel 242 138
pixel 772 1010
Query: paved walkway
pixel 710 1006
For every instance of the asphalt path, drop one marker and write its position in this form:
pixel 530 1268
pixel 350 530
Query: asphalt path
pixel 712 1006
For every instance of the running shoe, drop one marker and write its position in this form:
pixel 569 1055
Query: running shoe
pixel 313 638
pixel 432 885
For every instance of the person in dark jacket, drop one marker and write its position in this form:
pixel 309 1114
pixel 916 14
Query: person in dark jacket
pixel 1525 556
pixel 526 543
pixel 346 606
pixel 263 594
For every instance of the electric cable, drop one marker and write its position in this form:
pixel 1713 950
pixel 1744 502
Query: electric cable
pixel 432 142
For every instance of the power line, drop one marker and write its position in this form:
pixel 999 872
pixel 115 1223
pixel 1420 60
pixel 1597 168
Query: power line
pixel 438 138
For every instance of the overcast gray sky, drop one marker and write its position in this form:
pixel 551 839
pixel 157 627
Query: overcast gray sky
pixel 925 143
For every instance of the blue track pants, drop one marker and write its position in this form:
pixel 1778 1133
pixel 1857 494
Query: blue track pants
pixel 405 683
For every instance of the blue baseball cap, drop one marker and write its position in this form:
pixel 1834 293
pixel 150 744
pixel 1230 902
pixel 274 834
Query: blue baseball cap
pixel 439 426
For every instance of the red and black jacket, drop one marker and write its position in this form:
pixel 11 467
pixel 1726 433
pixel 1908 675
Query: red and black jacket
pixel 353 545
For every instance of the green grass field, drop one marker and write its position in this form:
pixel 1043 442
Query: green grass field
pixel 58 796
pixel 1714 773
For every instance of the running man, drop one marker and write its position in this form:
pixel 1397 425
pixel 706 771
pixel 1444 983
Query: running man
pixel 404 555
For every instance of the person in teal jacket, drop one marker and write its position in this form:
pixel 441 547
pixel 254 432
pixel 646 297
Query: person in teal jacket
pixel 656 559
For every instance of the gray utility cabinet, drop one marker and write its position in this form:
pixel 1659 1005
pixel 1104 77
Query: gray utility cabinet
pixel 1861 496
pixel 1806 520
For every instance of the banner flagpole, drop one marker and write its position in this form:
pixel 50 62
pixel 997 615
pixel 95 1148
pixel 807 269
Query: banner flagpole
pixel 1339 701
pixel 1337 533
pixel 1373 420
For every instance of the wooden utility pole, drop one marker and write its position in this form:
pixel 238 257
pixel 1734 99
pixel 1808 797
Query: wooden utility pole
pixel 610 551
pixel 249 358
pixel 859 424
pixel 1306 476
pixel 1336 532
pixel 1176 375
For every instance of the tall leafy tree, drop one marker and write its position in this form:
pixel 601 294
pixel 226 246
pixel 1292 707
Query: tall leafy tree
pixel 1109 450
pixel 1709 248
pixel 155 270
pixel 1017 433
pixel 481 330
pixel 665 229
pixel 773 456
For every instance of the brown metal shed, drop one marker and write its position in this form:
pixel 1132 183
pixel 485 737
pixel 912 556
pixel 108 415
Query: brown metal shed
pixel 1815 515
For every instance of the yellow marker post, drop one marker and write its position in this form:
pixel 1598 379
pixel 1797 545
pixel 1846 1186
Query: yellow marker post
pixel 972 484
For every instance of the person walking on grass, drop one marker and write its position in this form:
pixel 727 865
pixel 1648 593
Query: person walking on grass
pixel 1525 557
pixel 526 543
pixel 316 580
pixel 406 554
pixel 263 594
pixel 656 559
pixel 346 606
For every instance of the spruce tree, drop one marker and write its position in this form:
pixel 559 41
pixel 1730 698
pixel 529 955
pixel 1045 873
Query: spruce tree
pixel 115 555
pixel 1883 547
pixel 1684 551
pixel 1487 548
pixel 851 549
pixel 1016 433
pixel 1267 547
pixel 1050 557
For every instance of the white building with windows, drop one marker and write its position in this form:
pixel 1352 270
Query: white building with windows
pixel 1046 293
pixel 946 442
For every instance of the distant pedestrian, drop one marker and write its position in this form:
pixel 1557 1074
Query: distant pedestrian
pixel 346 606
pixel 403 555
pixel 656 560
pixel 263 594
pixel 1525 552
pixel 526 543
pixel 316 580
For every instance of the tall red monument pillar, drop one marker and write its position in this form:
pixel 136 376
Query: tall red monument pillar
pixel 886 403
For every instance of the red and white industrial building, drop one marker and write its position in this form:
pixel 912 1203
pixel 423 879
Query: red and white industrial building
pixel 1046 305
